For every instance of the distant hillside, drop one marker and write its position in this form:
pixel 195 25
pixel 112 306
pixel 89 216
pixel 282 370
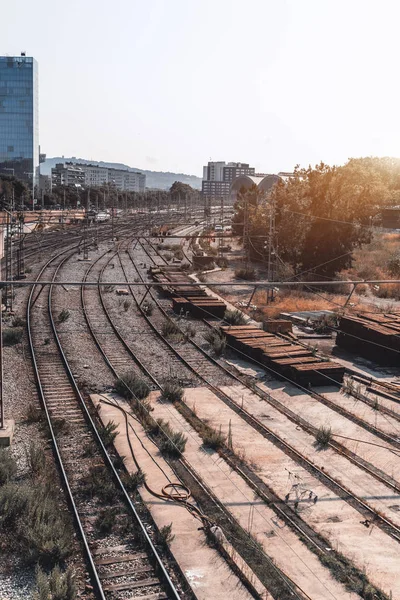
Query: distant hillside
pixel 154 179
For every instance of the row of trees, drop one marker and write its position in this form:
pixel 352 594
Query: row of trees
pixel 321 214
pixel 102 197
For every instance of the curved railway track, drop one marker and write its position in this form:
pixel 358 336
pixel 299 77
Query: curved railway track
pixel 120 356
pixel 134 567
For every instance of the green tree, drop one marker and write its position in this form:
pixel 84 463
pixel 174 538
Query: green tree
pixel 322 214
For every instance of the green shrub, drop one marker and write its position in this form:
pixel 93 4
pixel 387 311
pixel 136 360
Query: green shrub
pixel 64 315
pixel 98 483
pixel 36 459
pixel 213 438
pixel 12 336
pixel 131 386
pixel 142 409
pixel 108 433
pixel 234 317
pixel 108 288
pixel 168 256
pixel 393 265
pixel 60 426
pixel 126 305
pixel 217 340
pixel 185 266
pixel 106 520
pixel 170 329
pixel 178 254
pixel 324 436
pixel 148 308
pixel 190 330
pixel 18 322
pixel 41 531
pixel 33 414
pixel 172 391
pixel 171 443
pixel 248 274
pixel 134 480
pixel 166 534
pixel 222 262
pixel 57 585
pixel 8 466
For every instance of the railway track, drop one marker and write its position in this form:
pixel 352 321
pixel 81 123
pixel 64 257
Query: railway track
pixel 117 565
pixel 119 360
pixel 344 493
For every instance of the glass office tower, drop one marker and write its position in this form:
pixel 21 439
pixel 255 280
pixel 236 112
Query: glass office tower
pixel 19 118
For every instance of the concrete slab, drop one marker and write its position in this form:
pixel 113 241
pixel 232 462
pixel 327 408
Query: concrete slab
pixel 206 571
pixel 7 433
pixel 369 548
pixel 354 437
pixel 279 541
pixel 365 486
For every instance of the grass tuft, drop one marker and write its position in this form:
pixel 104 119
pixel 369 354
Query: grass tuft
pixel 8 466
pixel 217 341
pixel 324 436
pixel 131 386
pixel 12 336
pixel 234 317
pixel 172 391
pixel 108 433
pixel 64 315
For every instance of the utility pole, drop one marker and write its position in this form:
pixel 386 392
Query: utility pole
pixel 86 230
pixel 221 233
pixel 1 340
pixel 246 241
pixel 21 249
pixel 271 250
pixel 112 216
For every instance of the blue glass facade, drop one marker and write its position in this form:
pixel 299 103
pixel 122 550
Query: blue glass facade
pixel 19 118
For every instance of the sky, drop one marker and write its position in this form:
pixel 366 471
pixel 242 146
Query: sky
pixel 168 85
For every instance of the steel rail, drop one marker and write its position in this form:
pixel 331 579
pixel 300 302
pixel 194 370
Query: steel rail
pixel 172 591
pixel 88 555
pixel 345 494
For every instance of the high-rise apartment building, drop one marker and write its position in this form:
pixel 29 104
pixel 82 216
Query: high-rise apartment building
pixel 19 118
pixel 218 176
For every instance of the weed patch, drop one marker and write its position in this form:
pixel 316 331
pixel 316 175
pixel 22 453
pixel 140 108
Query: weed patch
pixel 12 336
pixel 217 341
pixel 234 317
pixel 172 391
pixel 131 386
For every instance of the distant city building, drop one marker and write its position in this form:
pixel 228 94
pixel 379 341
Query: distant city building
pixel 218 176
pixel 19 118
pixel 95 176
pixel 67 174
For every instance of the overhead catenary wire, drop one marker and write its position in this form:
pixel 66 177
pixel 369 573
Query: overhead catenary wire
pixel 216 463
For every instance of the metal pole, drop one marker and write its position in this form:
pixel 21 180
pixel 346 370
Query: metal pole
pixel 1 340
pixel 112 217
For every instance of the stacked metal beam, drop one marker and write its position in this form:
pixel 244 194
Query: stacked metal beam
pixel 283 356
pixel 373 336
pixel 187 299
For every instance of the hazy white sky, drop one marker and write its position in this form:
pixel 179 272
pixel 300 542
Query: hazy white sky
pixel 171 84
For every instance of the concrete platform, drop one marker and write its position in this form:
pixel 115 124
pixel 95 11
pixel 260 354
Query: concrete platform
pixel 204 568
pixel 7 434
pixel 370 549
